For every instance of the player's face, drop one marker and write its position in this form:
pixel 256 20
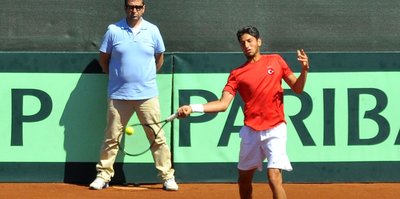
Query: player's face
pixel 134 9
pixel 250 45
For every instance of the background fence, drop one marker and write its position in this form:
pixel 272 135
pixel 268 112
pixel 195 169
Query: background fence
pixel 207 25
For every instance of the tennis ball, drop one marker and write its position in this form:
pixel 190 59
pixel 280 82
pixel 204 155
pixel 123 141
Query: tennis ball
pixel 129 130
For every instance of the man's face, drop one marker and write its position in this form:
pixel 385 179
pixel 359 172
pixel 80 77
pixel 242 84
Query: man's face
pixel 250 45
pixel 134 9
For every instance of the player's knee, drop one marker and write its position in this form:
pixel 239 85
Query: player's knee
pixel 274 176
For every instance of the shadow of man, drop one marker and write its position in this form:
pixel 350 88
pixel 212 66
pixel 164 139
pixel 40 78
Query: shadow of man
pixel 84 120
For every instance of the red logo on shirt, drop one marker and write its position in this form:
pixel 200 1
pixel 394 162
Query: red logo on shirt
pixel 270 71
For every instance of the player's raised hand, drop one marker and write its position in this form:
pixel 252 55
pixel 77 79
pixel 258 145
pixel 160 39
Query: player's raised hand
pixel 303 59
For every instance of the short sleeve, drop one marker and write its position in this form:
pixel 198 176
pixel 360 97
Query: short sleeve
pixel 106 44
pixel 285 68
pixel 159 42
pixel 232 84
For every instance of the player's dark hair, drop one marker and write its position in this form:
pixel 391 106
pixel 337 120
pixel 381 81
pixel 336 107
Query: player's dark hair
pixel 126 3
pixel 251 30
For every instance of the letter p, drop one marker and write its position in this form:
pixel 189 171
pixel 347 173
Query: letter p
pixel 17 112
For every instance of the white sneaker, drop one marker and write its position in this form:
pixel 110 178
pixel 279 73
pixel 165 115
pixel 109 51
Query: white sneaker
pixel 170 185
pixel 98 184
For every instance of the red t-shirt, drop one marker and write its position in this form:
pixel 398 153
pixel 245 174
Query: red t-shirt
pixel 260 86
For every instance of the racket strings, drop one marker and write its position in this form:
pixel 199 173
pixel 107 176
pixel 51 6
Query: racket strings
pixel 152 143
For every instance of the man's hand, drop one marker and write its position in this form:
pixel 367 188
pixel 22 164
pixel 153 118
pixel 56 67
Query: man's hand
pixel 184 111
pixel 303 59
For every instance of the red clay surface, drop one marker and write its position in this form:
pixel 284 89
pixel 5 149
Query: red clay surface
pixel 200 191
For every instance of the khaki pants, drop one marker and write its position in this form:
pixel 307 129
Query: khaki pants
pixel 119 113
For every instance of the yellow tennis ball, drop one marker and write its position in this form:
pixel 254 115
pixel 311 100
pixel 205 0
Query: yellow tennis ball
pixel 129 130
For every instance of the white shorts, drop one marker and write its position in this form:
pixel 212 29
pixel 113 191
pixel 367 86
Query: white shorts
pixel 256 146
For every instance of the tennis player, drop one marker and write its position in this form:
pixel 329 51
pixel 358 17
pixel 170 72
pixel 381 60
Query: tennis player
pixel 263 136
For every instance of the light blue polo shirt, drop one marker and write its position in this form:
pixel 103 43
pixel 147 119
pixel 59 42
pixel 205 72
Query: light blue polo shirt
pixel 132 68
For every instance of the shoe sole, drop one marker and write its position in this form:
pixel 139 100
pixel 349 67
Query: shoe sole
pixel 170 189
pixel 94 188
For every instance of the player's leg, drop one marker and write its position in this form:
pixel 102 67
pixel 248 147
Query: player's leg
pixel 250 159
pixel 275 183
pixel 274 146
pixel 148 111
pixel 245 183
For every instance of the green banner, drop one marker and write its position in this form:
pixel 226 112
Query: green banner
pixel 55 117
pixel 341 117
pixel 343 127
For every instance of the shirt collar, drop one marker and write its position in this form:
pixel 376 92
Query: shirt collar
pixel 125 26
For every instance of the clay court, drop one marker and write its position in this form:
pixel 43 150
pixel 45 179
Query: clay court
pixel 194 191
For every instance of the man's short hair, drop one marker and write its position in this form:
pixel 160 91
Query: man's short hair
pixel 126 3
pixel 251 30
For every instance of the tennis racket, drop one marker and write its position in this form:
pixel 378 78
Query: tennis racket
pixel 137 143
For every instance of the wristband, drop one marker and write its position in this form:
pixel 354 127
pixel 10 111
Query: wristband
pixel 197 108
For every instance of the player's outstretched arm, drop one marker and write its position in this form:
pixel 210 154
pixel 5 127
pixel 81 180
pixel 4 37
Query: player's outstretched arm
pixel 211 107
pixel 219 105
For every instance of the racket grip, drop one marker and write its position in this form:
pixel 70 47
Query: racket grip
pixel 171 117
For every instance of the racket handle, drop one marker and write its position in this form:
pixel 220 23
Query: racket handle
pixel 171 117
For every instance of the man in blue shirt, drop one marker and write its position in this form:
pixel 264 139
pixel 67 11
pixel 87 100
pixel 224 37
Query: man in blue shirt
pixel 131 54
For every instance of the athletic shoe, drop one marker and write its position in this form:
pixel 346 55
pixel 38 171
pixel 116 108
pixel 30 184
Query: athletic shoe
pixel 98 184
pixel 170 185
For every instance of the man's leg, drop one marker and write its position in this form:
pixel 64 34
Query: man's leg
pixel 245 183
pixel 148 111
pixel 275 183
pixel 118 115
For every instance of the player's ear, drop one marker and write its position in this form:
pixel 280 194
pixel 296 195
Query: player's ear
pixel 259 42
